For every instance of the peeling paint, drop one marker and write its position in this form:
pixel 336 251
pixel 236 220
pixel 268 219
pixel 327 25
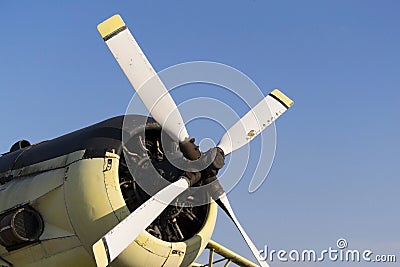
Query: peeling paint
pixel 251 133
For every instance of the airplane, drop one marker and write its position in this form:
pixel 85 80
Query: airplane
pixel 78 200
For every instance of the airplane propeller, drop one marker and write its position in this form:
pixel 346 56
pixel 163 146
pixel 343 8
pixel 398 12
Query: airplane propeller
pixel 138 70
pixel 161 107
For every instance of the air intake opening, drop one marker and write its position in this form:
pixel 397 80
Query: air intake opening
pixel 20 227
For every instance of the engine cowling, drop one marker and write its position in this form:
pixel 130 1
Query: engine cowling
pixel 80 186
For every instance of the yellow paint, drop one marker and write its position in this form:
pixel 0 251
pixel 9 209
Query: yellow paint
pixel 99 253
pixel 4 264
pixel 52 208
pixel 32 187
pixel 111 181
pixel 62 252
pixel 83 205
pixel 229 254
pixel 110 25
pixel 282 97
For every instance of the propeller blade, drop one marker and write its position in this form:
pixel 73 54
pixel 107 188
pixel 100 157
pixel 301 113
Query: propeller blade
pixel 255 121
pixel 138 70
pixel 225 205
pixel 241 133
pixel 121 236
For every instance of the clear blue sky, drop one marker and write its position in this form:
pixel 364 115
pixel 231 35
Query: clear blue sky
pixel 335 172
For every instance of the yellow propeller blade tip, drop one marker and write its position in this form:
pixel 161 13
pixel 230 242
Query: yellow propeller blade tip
pixel 110 25
pixel 100 255
pixel 282 97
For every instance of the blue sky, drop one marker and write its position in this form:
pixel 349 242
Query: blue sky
pixel 335 172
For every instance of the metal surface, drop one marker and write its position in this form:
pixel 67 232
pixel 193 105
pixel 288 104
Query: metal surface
pixel 255 121
pixel 117 239
pixel 225 205
pixel 229 255
pixel 139 72
pixel 20 226
pixel 78 194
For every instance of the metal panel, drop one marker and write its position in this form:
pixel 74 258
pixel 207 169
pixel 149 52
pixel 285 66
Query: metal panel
pixel 26 189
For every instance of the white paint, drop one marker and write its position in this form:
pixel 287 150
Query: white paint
pixel 250 244
pixel 251 124
pixel 154 94
pixel 122 235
